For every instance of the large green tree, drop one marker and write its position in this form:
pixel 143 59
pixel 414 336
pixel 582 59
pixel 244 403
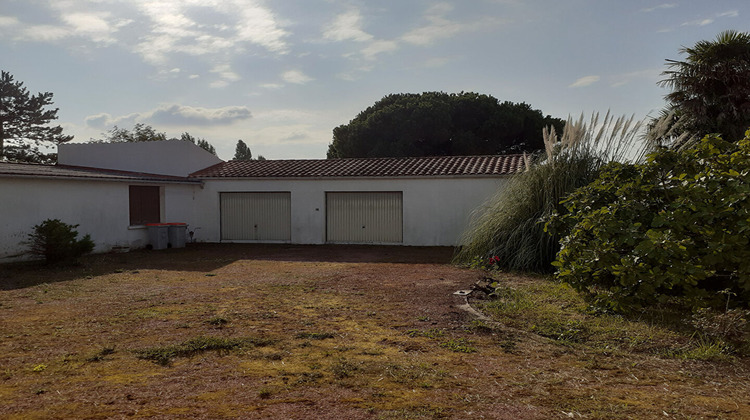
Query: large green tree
pixel 710 88
pixel 24 122
pixel 441 124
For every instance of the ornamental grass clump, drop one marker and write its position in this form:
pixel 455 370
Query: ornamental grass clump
pixel 511 225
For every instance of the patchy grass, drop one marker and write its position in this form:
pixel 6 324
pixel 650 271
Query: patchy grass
pixel 101 354
pixel 553 310
pixel 314 336
pixel 335 332
pixel 165 354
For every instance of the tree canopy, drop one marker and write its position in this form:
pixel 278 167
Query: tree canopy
pixel 441 124
pixel 202 143
pixel 710 88
pixel 143 132
pixel 242 152
pixel 140 132
pixel 24 123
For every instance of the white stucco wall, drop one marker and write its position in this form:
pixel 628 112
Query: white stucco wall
pixel 101 208
pixel 436 210
pixel 170 157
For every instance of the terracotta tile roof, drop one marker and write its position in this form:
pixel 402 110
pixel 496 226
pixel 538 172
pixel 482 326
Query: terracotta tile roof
pixel 367 167
pixel 34 170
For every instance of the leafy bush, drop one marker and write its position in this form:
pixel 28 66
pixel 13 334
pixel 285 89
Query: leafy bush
pixel 676 226
pixel 56 242
pixel 508 226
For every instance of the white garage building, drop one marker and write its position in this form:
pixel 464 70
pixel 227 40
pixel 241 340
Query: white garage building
pixel 410 201
pixel 113 190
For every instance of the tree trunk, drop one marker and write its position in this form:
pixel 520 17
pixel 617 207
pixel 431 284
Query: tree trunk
pixel 2 140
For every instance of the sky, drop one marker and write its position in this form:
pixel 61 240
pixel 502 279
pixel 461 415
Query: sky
pixel 281 74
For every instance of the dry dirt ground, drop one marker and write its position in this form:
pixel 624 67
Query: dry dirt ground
pixel 310 332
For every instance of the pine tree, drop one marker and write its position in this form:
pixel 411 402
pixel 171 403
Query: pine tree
pixel 24 122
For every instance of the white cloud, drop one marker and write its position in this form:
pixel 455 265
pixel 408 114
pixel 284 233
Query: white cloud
pixel 42 33
pixel 296 137
pixel 188 115
pixel 98 27
pixel 440 27
pixel 258 25
pixel 287 115
pixel 378 47
pixel 174 115
pixel 710 20
pixel 347 76
pixel 292 134
pixel 105 120
pixel 347 26
pixel 8 21
pixel 296 77
pixel 585 81
pixel 177 29
pixel 625 78
pixel 660 7
pixel 98 120
pixel 731 13
pixel 226 75
pixel 699 22
pixel 92 25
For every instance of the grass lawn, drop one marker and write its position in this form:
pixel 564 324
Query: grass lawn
pixel 248 331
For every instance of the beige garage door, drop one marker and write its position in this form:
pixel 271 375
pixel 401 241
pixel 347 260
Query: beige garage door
pixel 256 216
pixel 364 217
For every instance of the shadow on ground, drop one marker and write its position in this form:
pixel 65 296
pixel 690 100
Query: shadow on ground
pixel 209 257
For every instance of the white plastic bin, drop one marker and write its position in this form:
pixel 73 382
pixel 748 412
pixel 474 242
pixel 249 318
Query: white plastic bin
pixel 158 235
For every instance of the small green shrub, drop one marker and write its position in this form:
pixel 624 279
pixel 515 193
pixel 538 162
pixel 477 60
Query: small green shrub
pixel 57 242
pixel 677 226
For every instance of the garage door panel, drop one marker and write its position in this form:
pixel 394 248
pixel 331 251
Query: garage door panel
pixel 255 216
pixel 364 217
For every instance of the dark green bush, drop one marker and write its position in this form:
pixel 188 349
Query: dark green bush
pixel 676 226
pixel 57 242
